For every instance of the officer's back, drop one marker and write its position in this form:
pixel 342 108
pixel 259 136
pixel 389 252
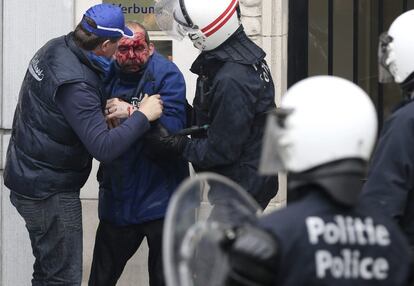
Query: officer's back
pixel 325 243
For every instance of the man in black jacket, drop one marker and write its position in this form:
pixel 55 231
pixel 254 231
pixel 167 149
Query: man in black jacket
pixel 58 126
pixel 234 91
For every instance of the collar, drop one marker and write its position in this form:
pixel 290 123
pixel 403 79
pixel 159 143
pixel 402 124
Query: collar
pixel 100 62
pixel 130 77
pixel 340 180
pixel 238 49
pixel 82 55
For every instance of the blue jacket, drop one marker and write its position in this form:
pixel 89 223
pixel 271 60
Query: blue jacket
pixel 135 189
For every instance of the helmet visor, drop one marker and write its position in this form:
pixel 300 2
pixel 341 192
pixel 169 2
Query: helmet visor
pixel 170 18
pixel 384 74
pixel 271 161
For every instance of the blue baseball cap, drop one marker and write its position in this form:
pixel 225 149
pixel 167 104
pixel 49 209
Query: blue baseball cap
pixel 109 19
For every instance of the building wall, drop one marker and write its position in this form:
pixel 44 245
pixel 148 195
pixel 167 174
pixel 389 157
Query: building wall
pixel 25 26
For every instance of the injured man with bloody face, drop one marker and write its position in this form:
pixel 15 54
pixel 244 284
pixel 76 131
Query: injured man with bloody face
pixel 134 191
pixel 133 53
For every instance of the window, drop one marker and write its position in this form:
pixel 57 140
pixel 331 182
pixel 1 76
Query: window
pixel 340 37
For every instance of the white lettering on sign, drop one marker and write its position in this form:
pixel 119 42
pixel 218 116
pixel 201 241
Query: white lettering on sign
pixel 137 9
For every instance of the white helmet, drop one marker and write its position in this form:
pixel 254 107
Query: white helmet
pixel 395 53
pixel 322 119
pixel 207 23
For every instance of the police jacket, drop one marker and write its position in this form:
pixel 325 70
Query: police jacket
pixel 324 243
pixel 135 188
pixel 45 155
pixel 234 91
pixel 390 182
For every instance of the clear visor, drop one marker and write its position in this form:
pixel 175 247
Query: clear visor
pixel 384 74
pixel 170 18
pixel 271 161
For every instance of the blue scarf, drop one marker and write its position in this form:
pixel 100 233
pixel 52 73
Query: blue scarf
pixel 101 61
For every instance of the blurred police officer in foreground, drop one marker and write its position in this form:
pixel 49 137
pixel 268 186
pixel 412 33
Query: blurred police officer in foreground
pixel 234 91
pixel 323 135
pixel 390 184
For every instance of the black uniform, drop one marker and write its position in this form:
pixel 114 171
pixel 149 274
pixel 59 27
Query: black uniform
pixel 234 90
pixel 390 184
pixel 323 237
pixel 323 243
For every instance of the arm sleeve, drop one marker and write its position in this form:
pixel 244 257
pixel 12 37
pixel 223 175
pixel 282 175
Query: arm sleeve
pixel 173 96
pixel 391 174
pixel 81 106
pixel 232 111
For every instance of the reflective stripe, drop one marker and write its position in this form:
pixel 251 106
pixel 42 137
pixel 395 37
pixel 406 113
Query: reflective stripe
pixel 114 30
pixel 221 20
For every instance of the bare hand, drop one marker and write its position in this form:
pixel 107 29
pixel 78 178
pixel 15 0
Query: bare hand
pixel 151 106
pixel 116 108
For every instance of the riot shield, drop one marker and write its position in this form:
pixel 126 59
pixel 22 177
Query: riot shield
pixel 201 218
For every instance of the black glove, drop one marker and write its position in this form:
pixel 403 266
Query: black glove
pixel 160 146
pixel 175 143
pixel 252 258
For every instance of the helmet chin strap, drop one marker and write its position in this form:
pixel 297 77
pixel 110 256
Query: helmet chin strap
pixel 186 16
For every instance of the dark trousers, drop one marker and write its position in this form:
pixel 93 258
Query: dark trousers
pixel 115 245
pixel 55 231
pixel 412 264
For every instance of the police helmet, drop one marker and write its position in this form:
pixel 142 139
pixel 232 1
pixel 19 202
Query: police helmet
pixel 395 51
pixel 207 23
pixel 321 119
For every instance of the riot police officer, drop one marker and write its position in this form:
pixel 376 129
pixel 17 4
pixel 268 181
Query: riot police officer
pixel 323 135
pixel 390 183
pixel 234 91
